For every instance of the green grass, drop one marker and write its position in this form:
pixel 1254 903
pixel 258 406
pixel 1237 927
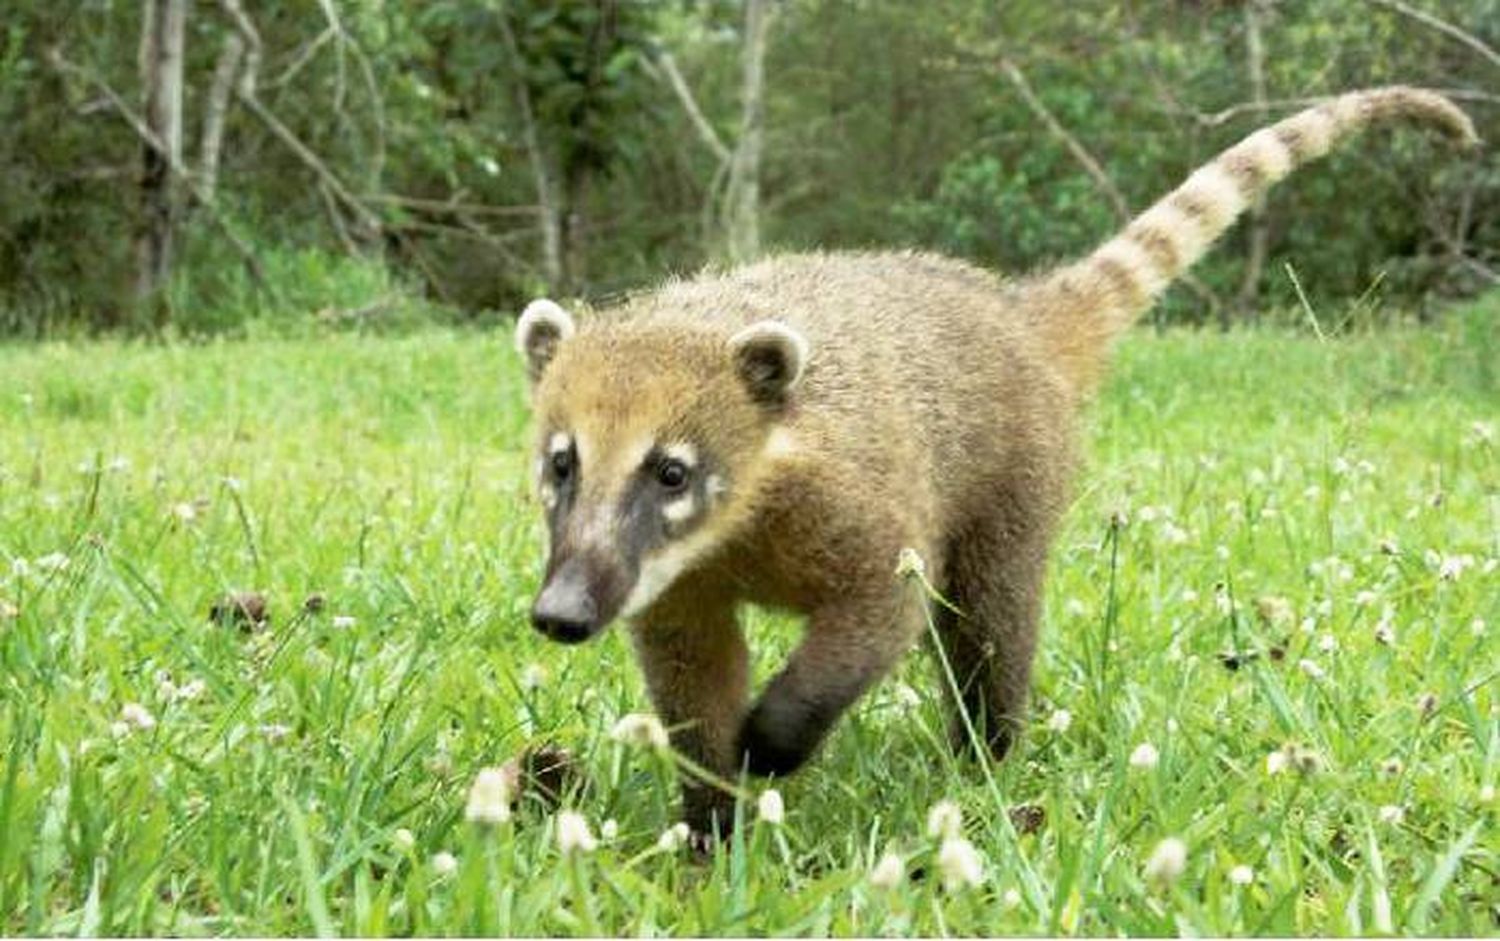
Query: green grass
pixel 388 474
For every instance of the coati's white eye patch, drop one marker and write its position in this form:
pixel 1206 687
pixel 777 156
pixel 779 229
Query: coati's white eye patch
pixel 771 358
pixel 540 330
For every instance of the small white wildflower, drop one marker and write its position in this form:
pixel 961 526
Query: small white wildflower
pixel 1389 546
pixel 1144 757
pixel 1427 703
pixel 1172 726
pixel 673 837
pixel 1221 552
pixel 905 696
pixel 1167 861
pixel 1242 875
pixel 1324 608
pixel 945 819
pixel 136 714
pixel 1487 794
pixel 444 864
pixel 489 165
pixel 1010 898
pixel 403 840
pixel 186 512
pixel 1060 721
pixel 1328 643
pixel 1146 514
pixel 490 797
pixel 1277 762
pixel 769 807
pixel 8 611
pixel 1365 598
pixel 960 864
pixel 1312 492
pixel 52 562
pixel 573 834
pixel 1392 814
pixel 342 622
pixel 1453 566
pixel 1189 596
pixel 534 676
pixel 1074 608
pixel 909 562
pixel 1175 535
pixel 1385 633
pixel 642 729
pixel 1311 668
pixel 119 729
pixel 1392 766
pixel 1476 627
pixel 1119 518
pixel 888 873
pixel 609 829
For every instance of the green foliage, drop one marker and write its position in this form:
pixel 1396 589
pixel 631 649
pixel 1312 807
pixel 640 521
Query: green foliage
pixel 1352 479
pixel 888 125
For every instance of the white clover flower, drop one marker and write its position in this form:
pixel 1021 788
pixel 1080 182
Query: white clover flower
pixel 133 713
pixel 119 729
pixel 186 512
pixel 909 562
pixel 609 829
pixel 1221 552
pixel 1392 814
pixel 403 840
pixel 1392 766
pixel 1277 762
pixel 1144 757
pixel 959 864
pixel 1189 596
pixel 1389 546
pixel 1074 608
pixel 1242 875
pixel 1476 627
pixel 1365 598
pixel 1168 861
pixel 1060 721
pixel 275 731
pixel 444 864
pixel 769 807
pixel 8 611
pixel 1146 514
pixel 673 837
pixel 1487 794
pixel 342 622
pixel 1311 669
pixel 945 819
pixel 1453 566
pixel 52 562
pixel 534 676
pixel 640 729
pixel 1385 633
pixel 905 696
pixel 1328 643
pixel 573 834
pixel 191 691
pixel 1175 535
pixel 1011 898
pixel 490 797
pixel 888 873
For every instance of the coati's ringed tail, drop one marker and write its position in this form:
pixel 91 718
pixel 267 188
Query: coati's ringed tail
pixel 1124 276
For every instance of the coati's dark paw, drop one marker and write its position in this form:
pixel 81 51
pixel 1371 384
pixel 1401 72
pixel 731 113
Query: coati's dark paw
pixel 775 744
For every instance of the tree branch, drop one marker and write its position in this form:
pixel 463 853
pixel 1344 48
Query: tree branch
pixel 673 77
pixel 1442 26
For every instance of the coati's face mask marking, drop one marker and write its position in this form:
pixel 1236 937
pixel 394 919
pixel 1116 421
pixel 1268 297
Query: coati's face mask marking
pixel 647 440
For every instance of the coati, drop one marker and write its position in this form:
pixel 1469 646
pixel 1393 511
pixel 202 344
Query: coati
pixel 777 434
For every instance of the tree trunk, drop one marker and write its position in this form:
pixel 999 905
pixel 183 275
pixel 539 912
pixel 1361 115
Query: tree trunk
pixel 742 197
pixel 161 79
pixel 1247 301
pixel 549 201
pixel 219 96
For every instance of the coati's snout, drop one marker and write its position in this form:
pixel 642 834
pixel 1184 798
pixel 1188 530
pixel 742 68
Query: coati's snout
pixel 651 441
pixel 578 598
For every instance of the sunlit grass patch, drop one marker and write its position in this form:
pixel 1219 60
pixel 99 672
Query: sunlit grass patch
pixel 1265 701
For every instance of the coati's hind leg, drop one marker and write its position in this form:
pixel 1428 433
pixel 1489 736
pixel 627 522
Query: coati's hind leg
pixel 697 671
pixel 996 571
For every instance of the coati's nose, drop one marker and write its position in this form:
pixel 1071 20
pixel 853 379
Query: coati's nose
pixel 565 610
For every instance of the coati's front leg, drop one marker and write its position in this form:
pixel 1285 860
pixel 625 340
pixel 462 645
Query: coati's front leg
pixel 697 670
pixel 848 647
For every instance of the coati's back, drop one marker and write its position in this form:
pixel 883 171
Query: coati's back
pixel 923 371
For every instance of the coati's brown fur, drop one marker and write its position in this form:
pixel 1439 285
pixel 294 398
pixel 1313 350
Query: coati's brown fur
pixel 777 434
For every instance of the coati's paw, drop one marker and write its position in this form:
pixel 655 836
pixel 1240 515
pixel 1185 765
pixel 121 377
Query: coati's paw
pixel 776 740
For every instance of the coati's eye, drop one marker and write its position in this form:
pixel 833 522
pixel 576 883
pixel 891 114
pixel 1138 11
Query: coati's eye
pixel 672 474
pixel 562 465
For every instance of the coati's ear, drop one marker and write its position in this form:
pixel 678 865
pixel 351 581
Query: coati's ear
pixel 770 357
pixel 540 329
